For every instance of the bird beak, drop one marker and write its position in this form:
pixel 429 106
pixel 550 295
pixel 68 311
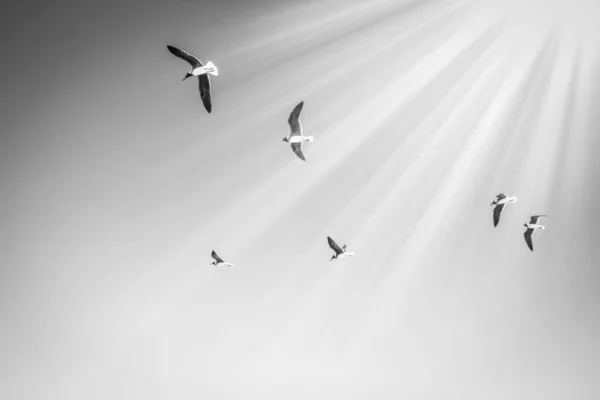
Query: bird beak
pixel 186 76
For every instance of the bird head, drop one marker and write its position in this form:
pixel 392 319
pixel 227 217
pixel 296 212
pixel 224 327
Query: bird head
pixel 333 257
pixel 187 76
pixel 284 139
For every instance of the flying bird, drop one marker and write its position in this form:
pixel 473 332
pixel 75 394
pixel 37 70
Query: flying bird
pixel 532 226
pixel 201 71
pixel 500 202
pixel 219 261
pixel 340 252
pixel 295 138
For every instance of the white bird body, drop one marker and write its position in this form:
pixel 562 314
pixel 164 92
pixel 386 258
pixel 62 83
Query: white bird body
pixel 511 199
pixel 209 68
pixel 223 264
pixel 535 226
pixel 300 139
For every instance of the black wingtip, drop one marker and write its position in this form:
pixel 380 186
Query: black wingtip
pixel 299 106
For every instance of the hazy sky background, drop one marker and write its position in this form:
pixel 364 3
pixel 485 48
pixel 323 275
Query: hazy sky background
pixel 116 185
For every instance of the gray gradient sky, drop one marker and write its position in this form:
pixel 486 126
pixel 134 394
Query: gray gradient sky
pixel 116 185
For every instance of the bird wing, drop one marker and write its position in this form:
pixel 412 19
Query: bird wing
pixel 216 257
pixel 205 95
pixel 534 218
pixel 184 55
pixel 497 212
pixel 297 147
pixel 334 246
pixel 527 235
pixel 294 120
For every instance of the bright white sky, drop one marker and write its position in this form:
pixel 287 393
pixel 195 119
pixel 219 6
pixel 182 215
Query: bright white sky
pixel 117 185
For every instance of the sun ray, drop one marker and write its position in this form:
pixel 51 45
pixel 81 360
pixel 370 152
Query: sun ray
pixel 440 204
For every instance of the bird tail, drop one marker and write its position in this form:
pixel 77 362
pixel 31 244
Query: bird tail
pixel 213 70
pixel 310 138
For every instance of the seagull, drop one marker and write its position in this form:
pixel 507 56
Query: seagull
pixel 340 252
pixel 201 71
pixel 532 226
pixel 219 261
pixel 295 138
pixel 500 202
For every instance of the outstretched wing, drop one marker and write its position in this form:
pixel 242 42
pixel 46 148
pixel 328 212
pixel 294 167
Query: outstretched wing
pixel 205 91
pixel 297 147
pixel 528 240
pixel 497 212
pixel 294 120
pixel 334 246
pixel 534 218
pixel 184 55
pixel 216 257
